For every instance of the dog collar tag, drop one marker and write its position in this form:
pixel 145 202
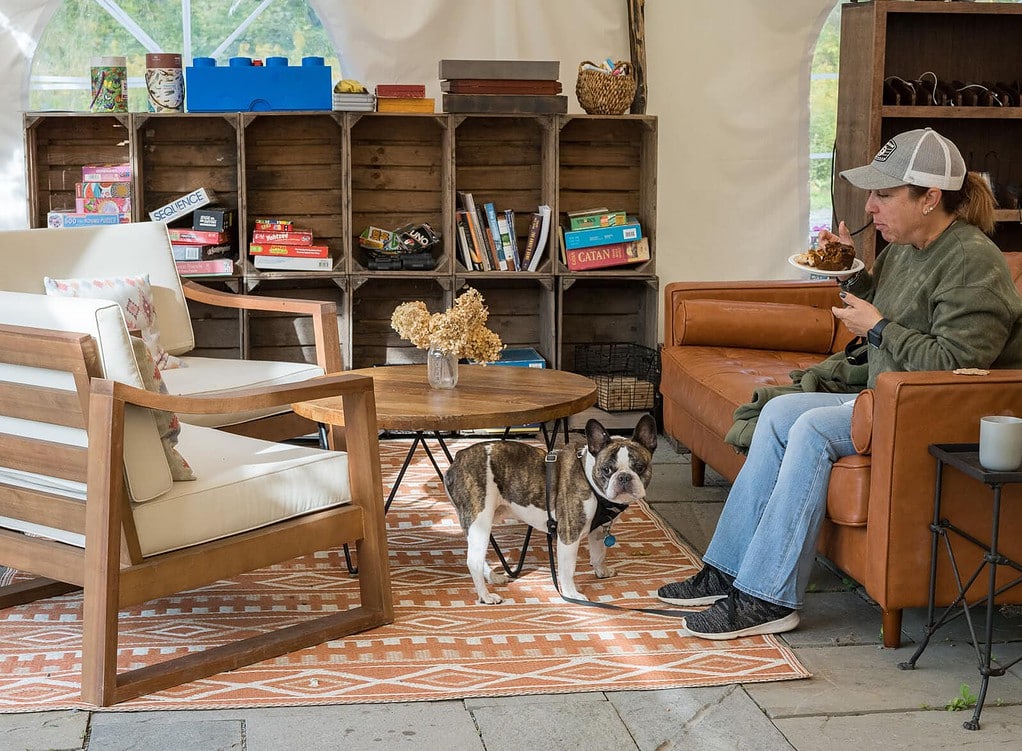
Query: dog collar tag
pixel 609 541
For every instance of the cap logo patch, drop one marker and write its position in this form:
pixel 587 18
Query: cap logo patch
pixel 884 154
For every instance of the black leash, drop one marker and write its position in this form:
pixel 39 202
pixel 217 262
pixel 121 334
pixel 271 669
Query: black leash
pixel 606 512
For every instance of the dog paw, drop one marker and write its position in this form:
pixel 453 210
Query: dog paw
pixel 491 599
pixel 575 595
pixel 604 572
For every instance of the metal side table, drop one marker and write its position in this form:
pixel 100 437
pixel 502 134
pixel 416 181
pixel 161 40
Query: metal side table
pixel 964 457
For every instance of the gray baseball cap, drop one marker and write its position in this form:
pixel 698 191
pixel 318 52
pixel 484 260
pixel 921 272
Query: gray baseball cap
pixel 916 157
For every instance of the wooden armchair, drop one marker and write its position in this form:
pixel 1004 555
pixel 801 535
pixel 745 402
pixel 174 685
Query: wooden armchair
pixel 143 248
pixel 86 499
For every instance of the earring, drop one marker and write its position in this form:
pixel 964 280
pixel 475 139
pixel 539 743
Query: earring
pixel 928 209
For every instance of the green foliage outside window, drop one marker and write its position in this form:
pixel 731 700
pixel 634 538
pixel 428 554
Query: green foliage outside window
pixel 82 29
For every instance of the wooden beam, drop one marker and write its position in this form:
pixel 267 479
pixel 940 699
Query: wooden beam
pixel 637 48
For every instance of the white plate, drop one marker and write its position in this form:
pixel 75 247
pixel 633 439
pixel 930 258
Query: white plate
pixel 857 265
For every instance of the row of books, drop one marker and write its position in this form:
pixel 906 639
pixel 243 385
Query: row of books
pixel 505 86
pixel 487 239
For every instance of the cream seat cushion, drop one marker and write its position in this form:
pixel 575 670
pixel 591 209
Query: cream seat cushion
pixel 243 484
pixel 210 376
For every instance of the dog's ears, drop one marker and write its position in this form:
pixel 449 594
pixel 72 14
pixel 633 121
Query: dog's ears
pixel 597 437
pixel 645 432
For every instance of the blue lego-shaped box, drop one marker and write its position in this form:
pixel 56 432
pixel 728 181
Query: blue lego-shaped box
pixel 241 86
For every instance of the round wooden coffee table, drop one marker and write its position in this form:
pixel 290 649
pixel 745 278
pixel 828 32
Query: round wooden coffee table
pixel 487 396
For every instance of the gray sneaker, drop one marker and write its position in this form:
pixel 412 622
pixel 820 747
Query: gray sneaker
pixel 741 615
pixel 705 588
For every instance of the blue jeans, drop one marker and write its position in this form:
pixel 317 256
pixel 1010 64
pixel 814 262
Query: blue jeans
pixel 766 535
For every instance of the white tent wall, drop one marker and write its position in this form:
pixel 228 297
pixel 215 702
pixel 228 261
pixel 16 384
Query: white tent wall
pixel 728 80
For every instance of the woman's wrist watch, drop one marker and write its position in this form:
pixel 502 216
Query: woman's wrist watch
pixel 875 336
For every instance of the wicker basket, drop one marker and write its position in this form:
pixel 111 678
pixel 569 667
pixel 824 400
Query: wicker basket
pixel 601 93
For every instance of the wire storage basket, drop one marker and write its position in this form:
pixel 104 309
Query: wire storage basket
pixel 627 375
pixel 602 93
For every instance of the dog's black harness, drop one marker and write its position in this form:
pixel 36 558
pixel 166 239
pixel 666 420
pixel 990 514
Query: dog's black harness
pixel 606 512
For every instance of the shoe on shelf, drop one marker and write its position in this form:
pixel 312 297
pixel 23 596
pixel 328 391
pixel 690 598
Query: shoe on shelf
pixel 741 615
pixel 705 588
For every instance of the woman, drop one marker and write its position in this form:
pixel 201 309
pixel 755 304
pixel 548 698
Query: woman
pixel 939 297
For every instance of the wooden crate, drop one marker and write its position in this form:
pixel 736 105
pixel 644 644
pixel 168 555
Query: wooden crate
pixel 521 309
pixel 373 299
pixel 218 331
pixel 291 338
pixel 601 309
pixel 177 155
pixel 294 168
pixel 507 161
pixel 57 146
pixel 400 168
pixel 609 162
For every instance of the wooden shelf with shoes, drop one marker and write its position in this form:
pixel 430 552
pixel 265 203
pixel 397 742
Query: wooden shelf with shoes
pixel 895 52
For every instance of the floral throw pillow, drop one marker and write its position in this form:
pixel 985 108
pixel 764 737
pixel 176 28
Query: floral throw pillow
pixel 135 297
pixel 166 422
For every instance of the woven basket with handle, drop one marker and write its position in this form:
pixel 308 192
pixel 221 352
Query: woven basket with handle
pixel 601 93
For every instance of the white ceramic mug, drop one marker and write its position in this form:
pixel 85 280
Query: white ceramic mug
pixel 1000 443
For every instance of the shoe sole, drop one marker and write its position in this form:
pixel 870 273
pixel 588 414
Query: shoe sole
pixel 780 626
pixel 691 601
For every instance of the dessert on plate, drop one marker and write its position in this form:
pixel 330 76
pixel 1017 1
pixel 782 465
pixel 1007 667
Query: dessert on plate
pixel 833 256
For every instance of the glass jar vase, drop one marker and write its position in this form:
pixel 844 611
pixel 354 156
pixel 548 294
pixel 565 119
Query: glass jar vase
pixel 441 368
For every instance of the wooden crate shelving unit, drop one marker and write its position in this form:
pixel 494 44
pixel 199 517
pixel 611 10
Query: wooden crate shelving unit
pixel 336 173
pixel 964 42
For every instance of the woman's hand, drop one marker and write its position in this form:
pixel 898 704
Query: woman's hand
pixel 858 315
pixel 842 236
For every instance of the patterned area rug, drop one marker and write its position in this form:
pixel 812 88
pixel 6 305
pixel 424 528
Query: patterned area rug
pixel 441 646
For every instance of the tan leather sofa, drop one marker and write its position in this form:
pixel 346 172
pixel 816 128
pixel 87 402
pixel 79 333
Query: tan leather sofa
pixel 723 339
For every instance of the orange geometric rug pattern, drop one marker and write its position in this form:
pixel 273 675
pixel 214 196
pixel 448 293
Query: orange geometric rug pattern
pixel 442 644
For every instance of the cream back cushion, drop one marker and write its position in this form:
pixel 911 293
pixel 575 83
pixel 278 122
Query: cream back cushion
pixel 146 468
pixel 108 251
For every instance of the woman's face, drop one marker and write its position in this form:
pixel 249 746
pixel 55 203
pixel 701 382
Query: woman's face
pixel 898 214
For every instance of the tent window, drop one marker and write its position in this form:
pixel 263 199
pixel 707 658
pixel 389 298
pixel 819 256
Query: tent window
pixel 83 29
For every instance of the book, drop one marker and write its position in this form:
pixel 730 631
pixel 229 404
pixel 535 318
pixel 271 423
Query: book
pixel 587 238
pixel 463 241
pixel 504 103
pixel 197 236
pixel 545 213
pixel 354 102
pixel 208 267
pixel 58 219
pixel 499 86
pixel 475 232
pixel 494 263
pixel 186 204
pixel 531 237
pixel 500 255
pixel 283 263
pixel 604 256
pixel 533 70
pixel 194 252
pixel 506 223
pixel 289 251
pixel 509 237
pixel 282 237
pixel 400 90
pixel 591 218
pixel 405 104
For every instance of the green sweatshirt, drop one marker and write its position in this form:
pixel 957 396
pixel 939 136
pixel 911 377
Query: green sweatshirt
pixel 952 305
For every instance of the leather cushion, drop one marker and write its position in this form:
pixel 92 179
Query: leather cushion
pixel 773 326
